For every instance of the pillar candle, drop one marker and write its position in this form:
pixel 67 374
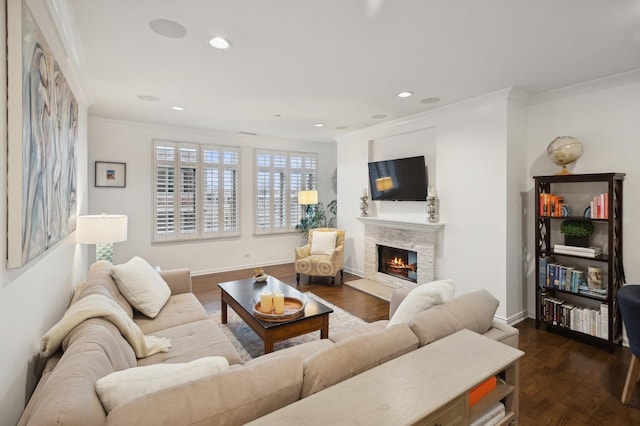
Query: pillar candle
pixel 433 192
pixel 278 303
pixel 266 302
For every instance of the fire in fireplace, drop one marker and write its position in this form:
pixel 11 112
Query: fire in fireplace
pixel 398 262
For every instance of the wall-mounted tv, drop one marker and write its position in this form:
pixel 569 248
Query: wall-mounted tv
pixel 402 179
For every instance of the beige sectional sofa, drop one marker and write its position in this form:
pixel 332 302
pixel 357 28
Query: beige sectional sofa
pixel 94 349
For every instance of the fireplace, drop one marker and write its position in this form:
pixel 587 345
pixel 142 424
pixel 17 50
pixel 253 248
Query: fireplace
pixel 398 262
pixel 420 237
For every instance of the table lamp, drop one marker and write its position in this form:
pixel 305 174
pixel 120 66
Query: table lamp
pixel 102 230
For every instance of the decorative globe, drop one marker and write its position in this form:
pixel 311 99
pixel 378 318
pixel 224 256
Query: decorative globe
pixel 564 150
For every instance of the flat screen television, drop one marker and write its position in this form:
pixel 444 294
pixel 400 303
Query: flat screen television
pixel 402 179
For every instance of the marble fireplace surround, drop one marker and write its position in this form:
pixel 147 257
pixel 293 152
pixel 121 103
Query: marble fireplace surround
pixel 419 237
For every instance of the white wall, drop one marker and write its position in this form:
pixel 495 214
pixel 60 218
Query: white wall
pixel 604 116
pixel 471 176
pixel 33 298
pixel 128 142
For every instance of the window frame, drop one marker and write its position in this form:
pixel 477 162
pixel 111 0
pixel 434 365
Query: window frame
pixel 173 228
pixel 293 212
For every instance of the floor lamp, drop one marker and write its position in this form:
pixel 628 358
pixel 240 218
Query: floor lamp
pixel 102 230
pixel 307 198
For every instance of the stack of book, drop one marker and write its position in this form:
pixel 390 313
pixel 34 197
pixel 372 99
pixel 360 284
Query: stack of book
pixel 578 251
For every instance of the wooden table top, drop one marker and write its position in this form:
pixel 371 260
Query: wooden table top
pixel 247 292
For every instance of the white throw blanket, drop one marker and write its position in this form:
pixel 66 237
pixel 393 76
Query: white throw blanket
pixel 99 306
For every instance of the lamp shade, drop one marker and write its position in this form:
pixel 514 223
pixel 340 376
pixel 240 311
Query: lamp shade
pixel 101 229
pixel 308 197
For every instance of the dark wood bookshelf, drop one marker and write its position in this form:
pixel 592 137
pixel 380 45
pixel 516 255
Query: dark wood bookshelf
pixel 612 259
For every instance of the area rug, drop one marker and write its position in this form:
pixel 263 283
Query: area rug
pixel 249 345
pixel 373 288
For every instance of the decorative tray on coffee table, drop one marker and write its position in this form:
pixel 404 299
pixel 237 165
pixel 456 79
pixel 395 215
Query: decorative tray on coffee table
pixel 293 308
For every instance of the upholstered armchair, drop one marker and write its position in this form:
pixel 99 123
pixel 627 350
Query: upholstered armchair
pixel 323 255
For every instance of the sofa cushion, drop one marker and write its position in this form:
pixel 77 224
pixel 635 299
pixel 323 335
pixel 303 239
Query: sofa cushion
pixel 192 341
pixel 179 309
pixel 357 330
pixel 354 355
pixel 100 281
pixel 323 242
pixel 142 286
pixel 236 396
pixel 422 298
pixel 93 349
pixel 304 350
pixel 126 385
pixel 473 311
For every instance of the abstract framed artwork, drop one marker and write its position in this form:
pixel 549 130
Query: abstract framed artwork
pixel 111 174
pixel 42 142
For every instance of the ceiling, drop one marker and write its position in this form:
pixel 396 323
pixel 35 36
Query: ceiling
pixel 295 63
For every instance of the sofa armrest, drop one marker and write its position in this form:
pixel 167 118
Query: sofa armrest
pixel 179 280
pixel 504 333
pixel 397 296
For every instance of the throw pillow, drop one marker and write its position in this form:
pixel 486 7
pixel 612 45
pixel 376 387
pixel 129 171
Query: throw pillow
pixel 474 311
pixel 422 298
pixel 323 242
pixel 142 286
pixel 126 385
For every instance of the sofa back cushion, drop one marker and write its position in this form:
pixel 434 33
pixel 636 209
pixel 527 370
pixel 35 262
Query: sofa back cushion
pixel 93 349
pixel 99 281
pixel 236 396
pixel 354 355
pixel 473 311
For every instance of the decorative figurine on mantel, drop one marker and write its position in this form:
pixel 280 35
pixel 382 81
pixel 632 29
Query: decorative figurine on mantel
pixel 433 215
pixel 364 206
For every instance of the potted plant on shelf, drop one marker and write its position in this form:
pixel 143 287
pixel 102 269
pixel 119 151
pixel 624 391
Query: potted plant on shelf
pixel 576 232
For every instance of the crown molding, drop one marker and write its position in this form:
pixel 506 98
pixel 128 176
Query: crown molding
pixel 61 14
pixel 621 79
pixel 427 119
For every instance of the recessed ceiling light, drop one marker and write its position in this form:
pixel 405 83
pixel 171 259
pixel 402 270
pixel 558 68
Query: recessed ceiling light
pixel 379 116
pixel 177 108
pixel 319 125
pixel 220 42
pixel 167 28
pixel 432 100
pixel 149 98
pixel 404 94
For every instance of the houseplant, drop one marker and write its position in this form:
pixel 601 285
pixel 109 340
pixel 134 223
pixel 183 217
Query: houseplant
pixel 315 216
pixel 576 232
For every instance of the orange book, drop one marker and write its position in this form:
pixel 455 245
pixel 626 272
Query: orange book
pixel 480 391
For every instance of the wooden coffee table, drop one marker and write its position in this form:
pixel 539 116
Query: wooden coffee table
pixel 241 296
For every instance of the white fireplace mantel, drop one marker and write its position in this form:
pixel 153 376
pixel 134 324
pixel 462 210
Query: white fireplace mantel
pixel 420 237
pixel 402 224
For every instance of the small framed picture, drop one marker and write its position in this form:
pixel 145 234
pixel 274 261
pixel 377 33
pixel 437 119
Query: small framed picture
pixel 111 174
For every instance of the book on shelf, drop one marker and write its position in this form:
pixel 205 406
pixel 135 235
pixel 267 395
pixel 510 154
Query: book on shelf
pixel 578 251
pixel 587 320
pixel 550 205
pixel 492 416
pixel 600 206
pixel 480 391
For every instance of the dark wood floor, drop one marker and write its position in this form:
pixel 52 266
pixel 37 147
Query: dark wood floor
pixel 562 382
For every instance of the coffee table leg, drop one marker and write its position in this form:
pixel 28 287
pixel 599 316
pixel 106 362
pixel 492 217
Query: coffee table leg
pixel 223 311
pixel 268 344
pixel 324 333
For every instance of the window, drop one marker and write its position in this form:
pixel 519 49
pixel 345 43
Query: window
pixel 279 177
pixel 196 191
